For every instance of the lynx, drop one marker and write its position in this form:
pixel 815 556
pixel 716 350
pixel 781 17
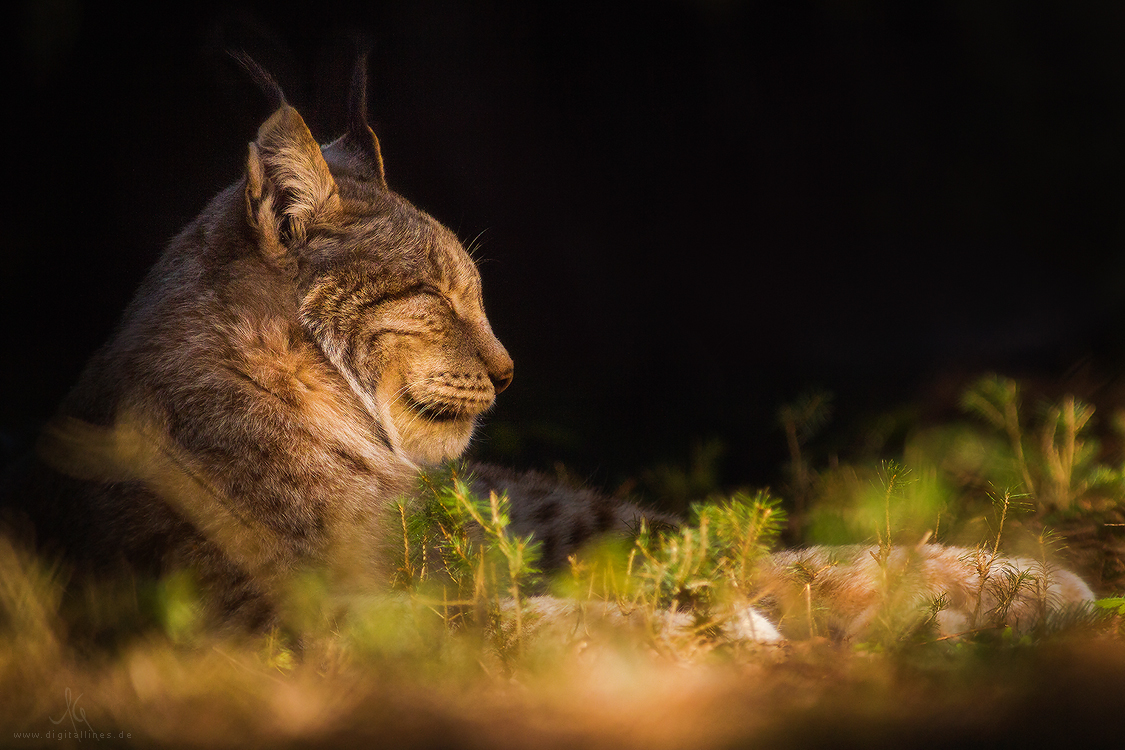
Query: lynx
pixel 297 353
pixel 298 350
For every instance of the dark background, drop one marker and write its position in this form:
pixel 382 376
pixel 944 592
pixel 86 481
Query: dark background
pixel 688 212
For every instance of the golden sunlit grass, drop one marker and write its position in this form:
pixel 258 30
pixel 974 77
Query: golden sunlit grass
pixel 636 650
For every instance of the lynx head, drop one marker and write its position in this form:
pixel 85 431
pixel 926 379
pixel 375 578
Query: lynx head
pixel 388 294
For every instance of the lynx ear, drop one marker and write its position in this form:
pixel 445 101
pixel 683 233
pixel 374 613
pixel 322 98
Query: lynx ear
pixel 288 185
pixel 360 135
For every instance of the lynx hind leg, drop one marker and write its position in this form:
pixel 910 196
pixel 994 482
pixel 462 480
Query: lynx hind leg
pixel 1068 588
pixel 848 587
pixel 980 598
pixel 1062 590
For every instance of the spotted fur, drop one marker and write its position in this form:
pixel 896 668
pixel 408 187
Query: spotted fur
pixel 562 517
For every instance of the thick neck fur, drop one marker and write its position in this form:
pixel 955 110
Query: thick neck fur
pixel 273 459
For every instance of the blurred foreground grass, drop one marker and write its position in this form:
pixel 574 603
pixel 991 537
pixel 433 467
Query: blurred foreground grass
pixel 459 653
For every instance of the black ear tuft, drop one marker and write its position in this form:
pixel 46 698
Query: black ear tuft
pixel 357 95
pixel 261 77
pixel 360 133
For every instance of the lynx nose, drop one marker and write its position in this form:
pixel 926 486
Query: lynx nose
pixel 500 380
pixel 494 356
